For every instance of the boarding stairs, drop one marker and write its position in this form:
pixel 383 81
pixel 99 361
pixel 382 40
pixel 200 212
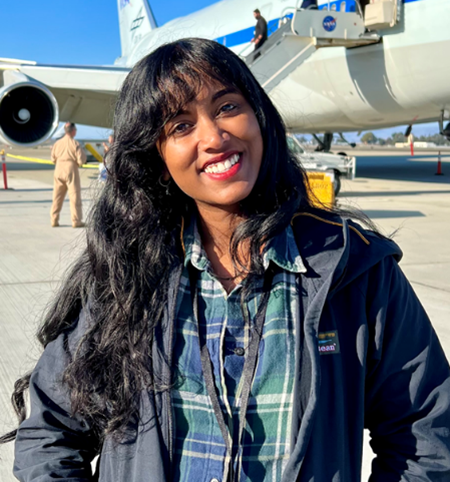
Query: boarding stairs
pixel 299 36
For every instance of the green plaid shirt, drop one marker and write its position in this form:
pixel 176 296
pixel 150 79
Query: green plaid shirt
pixel 200 450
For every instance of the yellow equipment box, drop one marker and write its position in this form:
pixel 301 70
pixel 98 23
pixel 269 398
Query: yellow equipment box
pixel 321 188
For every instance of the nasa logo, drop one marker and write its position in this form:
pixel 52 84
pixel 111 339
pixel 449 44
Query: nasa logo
pixel 124 3
pixel 329 23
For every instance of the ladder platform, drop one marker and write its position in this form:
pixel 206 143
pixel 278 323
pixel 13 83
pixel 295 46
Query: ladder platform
pixel 336 26
pixel 298 38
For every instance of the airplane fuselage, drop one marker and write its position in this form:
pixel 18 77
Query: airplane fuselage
pixel 401 80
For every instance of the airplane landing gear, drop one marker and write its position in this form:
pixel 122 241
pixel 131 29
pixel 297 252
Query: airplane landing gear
pixel 324 143
pixel 445 131
pixel 351 144
pixel 337 181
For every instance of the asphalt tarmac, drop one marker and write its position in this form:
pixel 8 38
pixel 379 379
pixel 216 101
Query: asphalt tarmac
pixel 400 193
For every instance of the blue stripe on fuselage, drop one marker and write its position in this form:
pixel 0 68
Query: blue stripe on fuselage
pixel 245 35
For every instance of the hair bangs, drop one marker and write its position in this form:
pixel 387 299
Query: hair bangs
pixel 183 74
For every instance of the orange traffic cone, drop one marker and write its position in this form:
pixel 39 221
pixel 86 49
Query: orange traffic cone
pixel 439 166
pixel 5 176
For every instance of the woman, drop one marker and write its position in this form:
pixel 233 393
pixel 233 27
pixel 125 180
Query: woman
pixel 218 327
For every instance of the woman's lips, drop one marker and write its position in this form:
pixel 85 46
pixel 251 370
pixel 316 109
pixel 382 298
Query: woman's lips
pixel 222 165
pixel 225 169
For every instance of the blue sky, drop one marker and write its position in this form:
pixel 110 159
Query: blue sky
pixel 78 32
pixel 86 32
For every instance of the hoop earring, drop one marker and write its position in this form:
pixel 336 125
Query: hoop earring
pixel 165 185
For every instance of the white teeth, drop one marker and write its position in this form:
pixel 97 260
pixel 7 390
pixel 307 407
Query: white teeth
pixel 220 167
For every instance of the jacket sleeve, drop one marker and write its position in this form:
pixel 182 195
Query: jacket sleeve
pixel 407 385
pixel 51 444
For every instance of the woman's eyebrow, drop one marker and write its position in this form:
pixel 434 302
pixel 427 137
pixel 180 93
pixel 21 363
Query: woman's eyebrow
pixel 217 95
pixel 221 93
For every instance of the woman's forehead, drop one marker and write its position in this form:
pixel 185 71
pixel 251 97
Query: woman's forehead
pixel 182 92
pixel 211 91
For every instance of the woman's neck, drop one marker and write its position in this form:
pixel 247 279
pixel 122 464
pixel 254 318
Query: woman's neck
pixel 216 229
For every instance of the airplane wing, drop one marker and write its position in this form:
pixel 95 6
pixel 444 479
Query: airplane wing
pixel 84 94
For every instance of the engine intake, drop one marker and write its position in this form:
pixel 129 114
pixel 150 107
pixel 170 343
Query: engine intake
pixel 28 114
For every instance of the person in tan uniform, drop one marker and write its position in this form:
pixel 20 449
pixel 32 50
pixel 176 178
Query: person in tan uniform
pixel 68 156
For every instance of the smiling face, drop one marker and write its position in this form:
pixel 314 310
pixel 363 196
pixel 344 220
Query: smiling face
pixel 213 148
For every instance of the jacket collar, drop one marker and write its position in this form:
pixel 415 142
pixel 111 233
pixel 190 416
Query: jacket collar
pixel 331 245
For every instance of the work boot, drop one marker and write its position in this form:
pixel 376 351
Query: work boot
pixel 79 225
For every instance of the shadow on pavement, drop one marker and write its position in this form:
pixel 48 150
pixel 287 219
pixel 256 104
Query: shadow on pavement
pixel 344 194
pixel 33 190
pixel 383 214
pixel 403 168
pixel 39 201
pixel 26 166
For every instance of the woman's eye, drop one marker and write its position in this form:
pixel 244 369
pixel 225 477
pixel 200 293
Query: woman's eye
pixel 180 128
pixel 228 107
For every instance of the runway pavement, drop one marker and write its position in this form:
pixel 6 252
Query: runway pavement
pixel 400 193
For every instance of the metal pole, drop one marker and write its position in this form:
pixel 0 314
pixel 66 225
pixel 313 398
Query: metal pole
pixel 5 177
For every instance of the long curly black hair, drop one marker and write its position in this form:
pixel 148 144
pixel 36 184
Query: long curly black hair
pixel 133 237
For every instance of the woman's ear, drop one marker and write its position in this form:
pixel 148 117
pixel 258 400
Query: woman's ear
pixel 165 175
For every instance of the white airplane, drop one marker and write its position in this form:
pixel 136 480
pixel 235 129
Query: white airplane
pixel 348 65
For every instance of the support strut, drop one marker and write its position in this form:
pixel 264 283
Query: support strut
pixel 324 144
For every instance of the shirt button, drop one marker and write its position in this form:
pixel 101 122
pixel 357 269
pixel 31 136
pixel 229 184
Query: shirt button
pixel 215 480
pixel 239 351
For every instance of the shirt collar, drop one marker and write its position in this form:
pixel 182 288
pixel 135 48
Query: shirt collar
pixel 195 254
pixel 281 250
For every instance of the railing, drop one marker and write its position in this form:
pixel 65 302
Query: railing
pixel 270 42
pixel 281 21
pixel 297 9
pixel 241 53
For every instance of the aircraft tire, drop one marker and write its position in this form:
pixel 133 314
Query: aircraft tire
pixel 337 181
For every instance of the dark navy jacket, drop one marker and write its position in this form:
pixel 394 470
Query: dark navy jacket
pixel 386 372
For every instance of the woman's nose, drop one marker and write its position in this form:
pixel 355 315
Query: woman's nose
pixel 211 135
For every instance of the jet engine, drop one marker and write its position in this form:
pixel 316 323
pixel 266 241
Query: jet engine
pixel 28 114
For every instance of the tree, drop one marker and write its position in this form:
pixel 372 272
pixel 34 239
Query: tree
pixel 369 138
pixel 398 137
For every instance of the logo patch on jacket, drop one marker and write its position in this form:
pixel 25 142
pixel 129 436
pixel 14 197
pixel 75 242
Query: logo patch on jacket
pixel 329 343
